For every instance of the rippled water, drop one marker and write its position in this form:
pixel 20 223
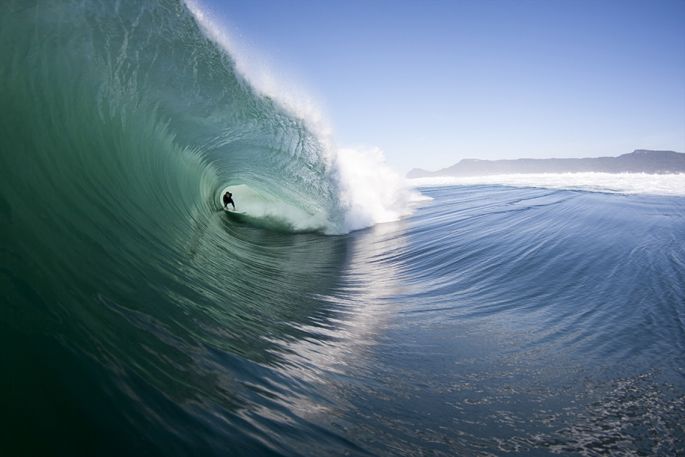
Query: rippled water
pixel 493 321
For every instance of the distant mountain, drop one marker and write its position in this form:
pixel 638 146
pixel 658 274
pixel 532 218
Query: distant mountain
pixel 638 161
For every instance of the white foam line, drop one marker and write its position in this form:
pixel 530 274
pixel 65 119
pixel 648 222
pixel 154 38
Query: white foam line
pixel 624 183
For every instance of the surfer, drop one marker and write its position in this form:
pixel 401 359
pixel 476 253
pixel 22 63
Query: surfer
pixel 228 199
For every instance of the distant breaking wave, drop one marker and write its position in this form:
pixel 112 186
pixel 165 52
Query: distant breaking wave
pixel 622 183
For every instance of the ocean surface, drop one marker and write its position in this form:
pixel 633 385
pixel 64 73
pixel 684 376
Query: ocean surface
pixel 346 313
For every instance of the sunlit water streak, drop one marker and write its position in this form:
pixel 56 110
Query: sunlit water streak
pixel 496 320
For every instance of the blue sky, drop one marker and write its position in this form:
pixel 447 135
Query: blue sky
pixel 432 82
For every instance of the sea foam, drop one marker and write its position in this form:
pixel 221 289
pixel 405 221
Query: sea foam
pixel 623 183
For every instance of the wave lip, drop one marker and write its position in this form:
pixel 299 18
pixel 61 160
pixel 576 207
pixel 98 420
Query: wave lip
pixel 309 183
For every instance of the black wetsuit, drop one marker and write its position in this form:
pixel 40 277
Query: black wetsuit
pixel 228 199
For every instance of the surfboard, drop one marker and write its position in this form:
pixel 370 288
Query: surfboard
pixel 236 215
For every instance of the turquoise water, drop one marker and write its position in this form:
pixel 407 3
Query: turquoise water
pixel 136 318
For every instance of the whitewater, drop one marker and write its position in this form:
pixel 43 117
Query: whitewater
pixel 620 183
pixel 352 312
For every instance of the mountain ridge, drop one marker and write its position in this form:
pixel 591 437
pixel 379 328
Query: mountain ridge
pixel 639 161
